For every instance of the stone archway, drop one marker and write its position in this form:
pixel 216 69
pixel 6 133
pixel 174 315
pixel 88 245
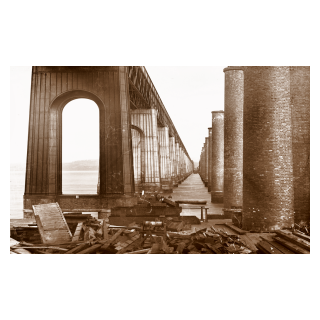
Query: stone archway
pixel 51 89
pixel 55 137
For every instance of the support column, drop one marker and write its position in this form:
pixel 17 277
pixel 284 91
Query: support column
pixel 210 160
pixel 233 138
pixel 178 163
pixel 163 138
pixel 300 105
pixel 203 163
pixel 136 151
pixel 217 156
pixel 206 145
pixel 172 151
pixel 146 120
pixel 268 197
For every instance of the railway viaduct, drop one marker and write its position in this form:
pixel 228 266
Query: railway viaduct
pixel 140 148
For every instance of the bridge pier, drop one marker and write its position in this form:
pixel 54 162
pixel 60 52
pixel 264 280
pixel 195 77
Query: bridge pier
pixel 268 190
pixel 217 156
pixel 146 120
pixel 165 177
pixel 300 104
pixel 173 162
pixel 233 138
pixel 209 159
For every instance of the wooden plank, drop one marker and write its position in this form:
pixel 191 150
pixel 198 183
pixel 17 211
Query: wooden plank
pixel 170 203
pixel 13 242
pixel 104 244
pixel 40 228
pixel 248 242
pixel 180 247
pixel 214 247
pixel 236 229
pixel 301 235
pixel 78 248
pixel 105 230
pixel 51 223
pixel 138 251
pixel 263 250
pixel 49 247
pixel 287 235
pixel 77 232
pixel 191 201
pixel 291 246
pixel 280 247
pixel 123 250
pixel 268 247
pixel 20 250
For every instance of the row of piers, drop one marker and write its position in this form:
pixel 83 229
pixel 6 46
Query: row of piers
pixel 257 153
pixel 159 163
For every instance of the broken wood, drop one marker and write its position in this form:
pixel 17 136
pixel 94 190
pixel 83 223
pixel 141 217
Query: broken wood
pixel 277 245
pixel 266 246
pixel 138 251
pixel 170 202
pixel 291 246
pixel 191 201
pixel 236 229
pixel 287 235
pixel 51 223
pixel 104 244
pixel 301 235
pixel 77 232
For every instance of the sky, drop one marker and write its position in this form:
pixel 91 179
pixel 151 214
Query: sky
pixel 188 93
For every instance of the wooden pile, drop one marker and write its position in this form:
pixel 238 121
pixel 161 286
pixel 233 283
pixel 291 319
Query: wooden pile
pixel 285 242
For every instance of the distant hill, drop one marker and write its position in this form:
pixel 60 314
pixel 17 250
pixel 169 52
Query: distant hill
pixel 80 165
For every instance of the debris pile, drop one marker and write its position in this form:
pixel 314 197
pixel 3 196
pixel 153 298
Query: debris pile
pixel 151 237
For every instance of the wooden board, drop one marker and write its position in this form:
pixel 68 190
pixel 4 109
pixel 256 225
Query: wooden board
pixel 301 235
pixel 51 223
pixel 287 235
pixel 77 232
pixel 236 229
pixel 291 246
pixel 266 246
pixel 277 245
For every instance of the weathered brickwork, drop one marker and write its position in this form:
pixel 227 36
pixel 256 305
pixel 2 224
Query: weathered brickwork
pixel 207 161
pixel 267 149
pixel 300 105
pixel 210 159
pixel 217 156
pixel 233 137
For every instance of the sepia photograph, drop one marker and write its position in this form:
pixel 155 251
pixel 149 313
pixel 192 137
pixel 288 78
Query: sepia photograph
pixel 159 160
pixel 107 171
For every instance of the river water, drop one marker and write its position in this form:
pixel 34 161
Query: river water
pixel 74 182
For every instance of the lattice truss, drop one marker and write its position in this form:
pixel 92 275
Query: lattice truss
pixel 143 95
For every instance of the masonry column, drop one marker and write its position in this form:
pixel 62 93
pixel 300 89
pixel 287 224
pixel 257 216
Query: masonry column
pixel 233 138
pixel 203 163
pixel 300 105
pixel 136 151
pixel 172 151
pixel 178 163
pixel 267 149
pixel 146 120
pixel 163 137
pixel 210 160
pixel 206 161
pixel 217 156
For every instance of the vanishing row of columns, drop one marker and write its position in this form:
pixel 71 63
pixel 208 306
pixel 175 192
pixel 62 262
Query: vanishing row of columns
pixel 159 162
pixel 257 153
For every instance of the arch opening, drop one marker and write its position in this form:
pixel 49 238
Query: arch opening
pixel 80 147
